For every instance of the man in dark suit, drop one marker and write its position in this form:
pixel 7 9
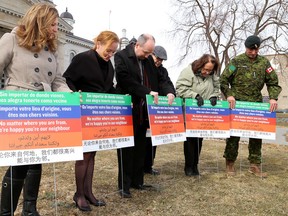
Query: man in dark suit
pixel 137 77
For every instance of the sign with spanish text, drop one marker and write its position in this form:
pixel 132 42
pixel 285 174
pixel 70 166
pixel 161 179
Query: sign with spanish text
pixel 39 127
pixel 253 120
pixel 207 121
pixel 106 121
pixel 166 121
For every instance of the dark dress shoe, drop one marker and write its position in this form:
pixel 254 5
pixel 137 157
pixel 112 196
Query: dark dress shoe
pixel 152 172
pixel 188 171
pixel 125 194
pixel 82 208
pixel 142 187
pixel 97 203
pixel 195 171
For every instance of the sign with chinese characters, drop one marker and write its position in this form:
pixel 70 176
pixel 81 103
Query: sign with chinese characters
pixel 166 121
pixel 106 121
pixel 39 127
pixel 207 121
pixel 253 120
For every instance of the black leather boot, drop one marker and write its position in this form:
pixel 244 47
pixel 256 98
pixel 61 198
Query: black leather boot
pixel 30 193
pixel 8 186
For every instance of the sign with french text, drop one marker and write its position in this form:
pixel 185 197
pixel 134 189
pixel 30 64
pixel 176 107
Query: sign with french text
pixel 106 121
pixel 166 121
pixel 253 120
pixel 39 127
pixel 207 120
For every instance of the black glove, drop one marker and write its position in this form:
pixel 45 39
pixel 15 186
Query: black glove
pixel 200 100
pixel 213 101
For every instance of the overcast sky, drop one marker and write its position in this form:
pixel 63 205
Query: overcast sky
pixel 136 16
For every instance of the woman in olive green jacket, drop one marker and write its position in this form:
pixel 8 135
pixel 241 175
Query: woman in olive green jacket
pixel 199 81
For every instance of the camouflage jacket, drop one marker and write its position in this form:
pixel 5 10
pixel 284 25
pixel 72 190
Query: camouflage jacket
pixel 244 79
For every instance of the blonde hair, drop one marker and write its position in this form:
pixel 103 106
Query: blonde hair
pixel 106 38
pixel 33 30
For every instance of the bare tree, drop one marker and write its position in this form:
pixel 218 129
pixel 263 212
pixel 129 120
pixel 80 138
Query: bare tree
pixel 221 26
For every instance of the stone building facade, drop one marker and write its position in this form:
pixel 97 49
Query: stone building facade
pixel 69 44
pixel 280 65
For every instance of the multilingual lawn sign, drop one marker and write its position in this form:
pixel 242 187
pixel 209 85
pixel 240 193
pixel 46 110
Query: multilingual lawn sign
pixel 39 127
pixel 207 121
pixel 253 120
pixel 106 121
pixel 166 121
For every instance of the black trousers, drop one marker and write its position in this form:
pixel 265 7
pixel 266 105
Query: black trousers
pixel 131 160
pixel 150 155
pixel 192 149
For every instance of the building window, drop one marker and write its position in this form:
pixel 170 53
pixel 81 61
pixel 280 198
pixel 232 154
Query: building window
pixel 72 54
pixel 2 81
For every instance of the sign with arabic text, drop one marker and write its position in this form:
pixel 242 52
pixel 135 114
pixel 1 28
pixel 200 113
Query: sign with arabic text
pixel 166 121
pixel 207 120
pixel 39 127
pixel 106 121
pixel 253 120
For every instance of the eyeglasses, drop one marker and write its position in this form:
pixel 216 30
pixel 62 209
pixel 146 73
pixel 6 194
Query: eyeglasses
pixel 207 71
pixel 159 59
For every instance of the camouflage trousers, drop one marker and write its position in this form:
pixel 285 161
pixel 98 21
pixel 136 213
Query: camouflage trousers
pixel 254 147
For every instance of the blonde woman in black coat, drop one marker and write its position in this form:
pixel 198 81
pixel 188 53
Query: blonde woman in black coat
pixel 91 71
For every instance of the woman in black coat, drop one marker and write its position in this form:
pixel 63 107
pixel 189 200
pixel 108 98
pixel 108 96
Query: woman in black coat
pixel 91 71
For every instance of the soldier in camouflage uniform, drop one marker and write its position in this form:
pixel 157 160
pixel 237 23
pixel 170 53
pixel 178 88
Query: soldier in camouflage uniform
pixel 243 79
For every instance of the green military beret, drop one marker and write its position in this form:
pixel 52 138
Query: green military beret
pixel 252 42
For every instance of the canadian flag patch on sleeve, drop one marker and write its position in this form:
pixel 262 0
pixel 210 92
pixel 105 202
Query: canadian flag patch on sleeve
pixel 269 70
